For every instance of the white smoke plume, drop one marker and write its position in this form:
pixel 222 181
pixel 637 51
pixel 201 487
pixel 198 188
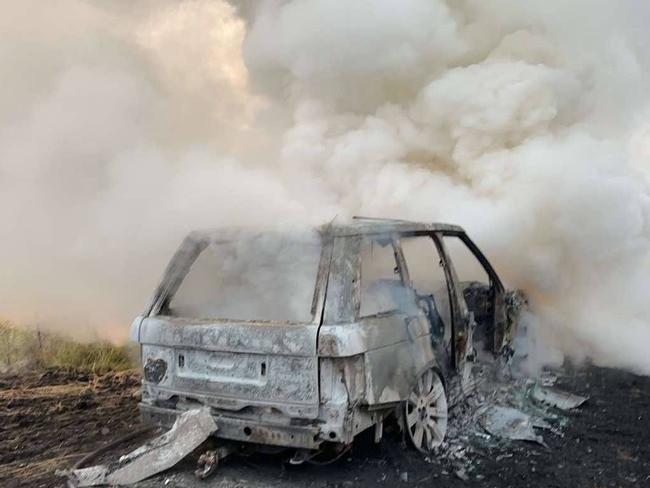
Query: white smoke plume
pixel 124 126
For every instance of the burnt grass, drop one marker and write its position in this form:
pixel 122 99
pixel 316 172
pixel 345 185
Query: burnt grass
pixel 49 421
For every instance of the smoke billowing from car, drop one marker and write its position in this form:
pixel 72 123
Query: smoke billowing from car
pixel 125 126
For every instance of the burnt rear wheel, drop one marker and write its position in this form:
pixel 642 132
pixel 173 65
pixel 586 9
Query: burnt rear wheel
pixel 425 412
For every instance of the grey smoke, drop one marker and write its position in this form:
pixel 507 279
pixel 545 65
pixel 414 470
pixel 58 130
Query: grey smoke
pixel 123 127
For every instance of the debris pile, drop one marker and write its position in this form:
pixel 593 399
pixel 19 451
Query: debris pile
pixel 501 412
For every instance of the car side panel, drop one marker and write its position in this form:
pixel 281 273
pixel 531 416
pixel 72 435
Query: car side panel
pixel 394 348
pixel 390 371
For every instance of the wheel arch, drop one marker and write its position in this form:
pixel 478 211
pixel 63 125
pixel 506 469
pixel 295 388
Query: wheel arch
pixel 434 365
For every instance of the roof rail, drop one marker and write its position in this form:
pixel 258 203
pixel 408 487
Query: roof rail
pixel 379 219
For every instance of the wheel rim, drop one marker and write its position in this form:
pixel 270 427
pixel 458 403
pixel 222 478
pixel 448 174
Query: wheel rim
pixel 426 412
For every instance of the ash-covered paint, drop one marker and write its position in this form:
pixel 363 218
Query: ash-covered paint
pixel 301 384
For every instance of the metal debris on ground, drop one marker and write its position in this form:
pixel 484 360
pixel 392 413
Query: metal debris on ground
pixel 509 423
pixel 547 378
pixel 556 398
pixel 502 411
pixel 206 465
pixel 462 475
pixel 189 431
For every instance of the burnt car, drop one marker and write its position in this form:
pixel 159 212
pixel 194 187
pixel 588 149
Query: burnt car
pixel 305 339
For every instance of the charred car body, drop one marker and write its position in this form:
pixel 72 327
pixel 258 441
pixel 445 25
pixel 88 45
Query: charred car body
pixel 304 341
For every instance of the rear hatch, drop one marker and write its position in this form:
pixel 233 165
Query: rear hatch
pixel 232 366
pixel 235 322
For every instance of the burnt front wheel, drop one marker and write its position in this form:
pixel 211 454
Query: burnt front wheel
pixel 425 412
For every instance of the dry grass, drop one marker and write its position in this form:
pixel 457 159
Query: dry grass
pixel 33 349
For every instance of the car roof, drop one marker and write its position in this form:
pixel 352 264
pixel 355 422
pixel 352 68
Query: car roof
pixel 369 225
pixel 355 227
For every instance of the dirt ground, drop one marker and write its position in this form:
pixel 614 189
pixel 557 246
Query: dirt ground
pixel 49 421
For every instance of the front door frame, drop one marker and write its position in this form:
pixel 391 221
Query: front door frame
pixel 461 314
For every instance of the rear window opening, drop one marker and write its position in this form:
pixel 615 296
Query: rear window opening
pixel 260 278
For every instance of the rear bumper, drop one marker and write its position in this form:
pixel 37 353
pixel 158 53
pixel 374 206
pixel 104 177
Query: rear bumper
pixel 243 430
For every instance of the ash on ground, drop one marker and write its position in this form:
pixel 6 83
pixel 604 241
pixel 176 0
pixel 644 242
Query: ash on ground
pixel 502 413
